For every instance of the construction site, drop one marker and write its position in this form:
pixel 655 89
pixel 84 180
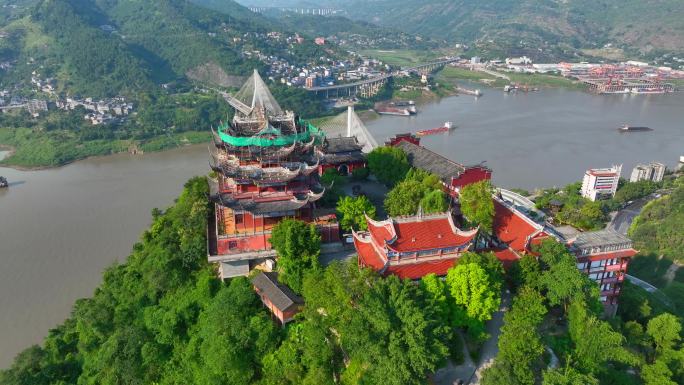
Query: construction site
pixel 620 78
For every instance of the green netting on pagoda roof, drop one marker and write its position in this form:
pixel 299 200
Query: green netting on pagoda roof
pixel 274 138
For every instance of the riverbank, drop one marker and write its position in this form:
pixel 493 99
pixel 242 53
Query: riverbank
pixel 30 150
pixel 455 74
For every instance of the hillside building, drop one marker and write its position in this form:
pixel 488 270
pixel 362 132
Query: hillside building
pixel 601 183
pixel 604 256
pixel 412 247
pixel 279 299
pixel 262 160
pixel 452 174
pixel 653 172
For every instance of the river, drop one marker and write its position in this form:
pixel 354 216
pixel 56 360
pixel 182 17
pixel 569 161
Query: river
pixel 547 138
pixel 59 228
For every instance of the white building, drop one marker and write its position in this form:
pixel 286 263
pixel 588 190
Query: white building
pixel 653 171
pixel 523 60
pixel 601 183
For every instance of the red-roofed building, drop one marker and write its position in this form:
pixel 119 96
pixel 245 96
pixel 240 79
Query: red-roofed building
pixel 514 231
pixel 602 255
pixel 453 175
pixel 412 247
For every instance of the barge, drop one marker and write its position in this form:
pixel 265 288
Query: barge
pixel 448 126
pixel 628 128
pixel 393 111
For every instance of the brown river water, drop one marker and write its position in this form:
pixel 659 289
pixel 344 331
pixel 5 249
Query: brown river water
pixel 59 228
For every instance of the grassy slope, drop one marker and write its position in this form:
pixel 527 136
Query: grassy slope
pixel 658 234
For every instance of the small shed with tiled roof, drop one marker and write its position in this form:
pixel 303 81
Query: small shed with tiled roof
pixel 280 300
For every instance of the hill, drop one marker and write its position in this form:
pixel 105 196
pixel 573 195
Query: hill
pixel 524 26
pixel 103 48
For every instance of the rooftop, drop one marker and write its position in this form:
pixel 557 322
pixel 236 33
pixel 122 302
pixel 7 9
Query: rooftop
pixel 409 234
pixel 281 296
pixel 598 238
pixel 512 227
pixel 341 144
pixel 421 157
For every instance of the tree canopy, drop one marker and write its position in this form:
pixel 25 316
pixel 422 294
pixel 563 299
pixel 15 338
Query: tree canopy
pixel 352 212
pixel 418 189
pixel 388 164
pixel 297 245
pixel 477 204
pixel 476 295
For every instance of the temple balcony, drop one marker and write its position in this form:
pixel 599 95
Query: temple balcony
pixel 617 267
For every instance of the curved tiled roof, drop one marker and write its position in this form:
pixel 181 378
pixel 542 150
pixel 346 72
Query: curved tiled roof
pixel 425 234
pixel 368 257
pixel 419 270
pixel 418 233
pixel 382 232
pixel 512 228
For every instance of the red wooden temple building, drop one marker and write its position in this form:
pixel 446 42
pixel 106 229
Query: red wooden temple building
pixel 603 255
pixel 265 172
pixel 411 247
pixel 452 174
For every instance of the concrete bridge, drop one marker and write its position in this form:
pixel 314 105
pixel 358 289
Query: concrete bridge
pixel 299 10
pixel 369 87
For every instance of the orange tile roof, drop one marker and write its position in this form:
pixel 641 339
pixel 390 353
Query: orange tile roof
pixel 368 257
pixel 419 270
pixel 511 228
pixel 428 234
pixel 416 234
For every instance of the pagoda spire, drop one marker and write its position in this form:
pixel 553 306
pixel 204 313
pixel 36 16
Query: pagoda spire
pixel 256 95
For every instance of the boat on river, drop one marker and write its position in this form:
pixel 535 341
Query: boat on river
pixel 3 182
pixel 628 128
pixel 448 126
pixel 393 111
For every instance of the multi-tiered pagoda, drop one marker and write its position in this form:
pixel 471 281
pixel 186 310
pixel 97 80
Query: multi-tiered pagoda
pixel 262 176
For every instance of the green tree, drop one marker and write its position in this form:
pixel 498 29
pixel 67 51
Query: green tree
pixel 477 204
pixel 657 373
pixel 520 344
pixel 475 293
pixel 388 164
pixel 595 341
pixel 404 198
pixel 386 328
pixel 233 334
pixel 419 188
pixel 561 278
pixel 434 201
pixel 352 212
pixel 525 272
pixel 437 294
pixel 297 245
pixel 665 331
pixel 567 376
pixel 487 261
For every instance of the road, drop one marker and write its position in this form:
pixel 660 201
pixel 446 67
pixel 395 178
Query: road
pixel 624 218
